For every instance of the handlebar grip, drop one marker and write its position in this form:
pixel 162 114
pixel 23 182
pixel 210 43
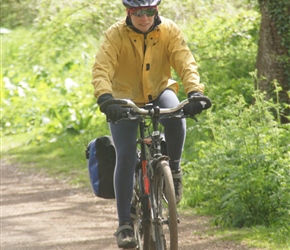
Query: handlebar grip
pixel 112 101
pixel 205 99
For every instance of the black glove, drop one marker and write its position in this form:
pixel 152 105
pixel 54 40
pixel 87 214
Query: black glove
pixel 193 108
pixel 114 112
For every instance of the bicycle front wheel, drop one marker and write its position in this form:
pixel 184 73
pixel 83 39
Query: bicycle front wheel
pixel 140 214
pixel 165 216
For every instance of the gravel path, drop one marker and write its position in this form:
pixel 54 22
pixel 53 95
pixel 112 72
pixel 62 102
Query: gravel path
pixel 40 213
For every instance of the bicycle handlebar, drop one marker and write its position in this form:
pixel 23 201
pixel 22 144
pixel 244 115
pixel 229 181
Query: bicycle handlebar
pixel 204 100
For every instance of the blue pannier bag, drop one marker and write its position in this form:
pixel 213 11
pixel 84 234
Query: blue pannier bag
pixel 101 158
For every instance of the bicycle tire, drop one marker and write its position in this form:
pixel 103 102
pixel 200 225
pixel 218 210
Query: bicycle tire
pixel 165 225
pixel 141 221
pixel 142 234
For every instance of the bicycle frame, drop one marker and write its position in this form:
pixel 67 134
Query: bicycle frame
pixel 150 144
pixel 143 141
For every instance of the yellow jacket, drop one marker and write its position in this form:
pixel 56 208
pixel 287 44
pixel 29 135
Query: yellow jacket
pixel 122 68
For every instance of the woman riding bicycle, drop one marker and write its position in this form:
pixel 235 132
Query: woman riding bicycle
pixel 134 62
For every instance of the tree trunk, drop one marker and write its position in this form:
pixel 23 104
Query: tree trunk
pixel 270 52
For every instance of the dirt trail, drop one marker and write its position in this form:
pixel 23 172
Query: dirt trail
pixel 40 213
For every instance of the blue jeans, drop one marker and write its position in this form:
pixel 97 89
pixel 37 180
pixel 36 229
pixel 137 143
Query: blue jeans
pixel 124 135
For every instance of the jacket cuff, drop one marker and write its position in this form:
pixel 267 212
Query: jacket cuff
pixel 104 97
pixel 194 93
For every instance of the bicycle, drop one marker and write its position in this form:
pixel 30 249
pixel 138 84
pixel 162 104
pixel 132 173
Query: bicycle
pixel 153 210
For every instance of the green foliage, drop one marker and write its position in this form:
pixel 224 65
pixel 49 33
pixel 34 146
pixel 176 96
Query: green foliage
pixel 17 13
pixel 53 107
pixel 241 171
pixel 50 65
pixel 186 12
pixel 226 43
pixel 93 15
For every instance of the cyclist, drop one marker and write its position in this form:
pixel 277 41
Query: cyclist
pixel 134 62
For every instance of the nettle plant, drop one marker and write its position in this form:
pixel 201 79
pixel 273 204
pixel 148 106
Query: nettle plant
pixel 240 171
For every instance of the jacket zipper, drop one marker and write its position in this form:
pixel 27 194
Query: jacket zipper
pixel 145 43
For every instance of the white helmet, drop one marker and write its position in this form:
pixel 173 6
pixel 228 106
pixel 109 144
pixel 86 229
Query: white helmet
pixel 140 3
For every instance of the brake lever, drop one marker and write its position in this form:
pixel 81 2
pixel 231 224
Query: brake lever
pixel 127 114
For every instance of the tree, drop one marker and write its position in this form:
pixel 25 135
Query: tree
pixel 273 58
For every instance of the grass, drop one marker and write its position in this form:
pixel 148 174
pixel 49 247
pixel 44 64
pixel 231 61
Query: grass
pixel 65 160
pixel 258 237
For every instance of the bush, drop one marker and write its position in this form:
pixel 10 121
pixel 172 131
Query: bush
pixel 241 170
pixel 225 47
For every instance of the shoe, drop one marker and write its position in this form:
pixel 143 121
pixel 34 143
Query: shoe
pixel 125 237
pixel 177 181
